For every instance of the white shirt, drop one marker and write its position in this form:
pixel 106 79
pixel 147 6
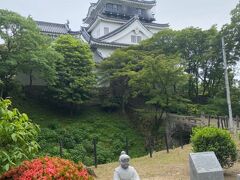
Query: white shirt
pixel 125 174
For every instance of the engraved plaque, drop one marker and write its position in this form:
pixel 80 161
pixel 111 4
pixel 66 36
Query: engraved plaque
pixel 205 166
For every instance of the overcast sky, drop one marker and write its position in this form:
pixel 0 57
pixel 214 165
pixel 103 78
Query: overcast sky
pixel 178 13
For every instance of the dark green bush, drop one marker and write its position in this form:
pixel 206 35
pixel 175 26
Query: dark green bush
pixel 216 140
pixel 54 125
pixel 109 106
pixel 78 144
pixel 48 135
pixel 78 154
pixel 77 138
pixel 104 155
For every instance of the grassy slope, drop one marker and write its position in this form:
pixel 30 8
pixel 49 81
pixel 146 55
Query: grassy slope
pixel 98 123
pixel 163 166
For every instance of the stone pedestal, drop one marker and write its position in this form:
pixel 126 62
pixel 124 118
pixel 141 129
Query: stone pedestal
pixel 238 177
pixel 205 166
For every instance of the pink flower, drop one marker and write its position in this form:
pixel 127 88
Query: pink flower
pixel 48 168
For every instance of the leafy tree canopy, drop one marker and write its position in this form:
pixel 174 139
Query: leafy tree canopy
pixel 23 50
pixel 75 78
pixel 231 33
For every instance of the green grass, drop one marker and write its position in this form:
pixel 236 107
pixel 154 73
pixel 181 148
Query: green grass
pixel 111 130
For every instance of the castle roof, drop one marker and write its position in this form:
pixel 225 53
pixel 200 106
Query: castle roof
pixel 126 13
pixel 55 28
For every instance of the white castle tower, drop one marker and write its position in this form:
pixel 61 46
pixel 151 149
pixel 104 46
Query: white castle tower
pixel 112 24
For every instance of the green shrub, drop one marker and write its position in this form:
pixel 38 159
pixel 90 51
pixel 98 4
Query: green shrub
pixel 17 136
pixel 104 155
pixel 109 106
pixel 47 135
pixel 54 125
pixel 78 153
pixel 216 140
pixel 77 133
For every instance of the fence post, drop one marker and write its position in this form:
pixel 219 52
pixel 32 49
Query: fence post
pixel 218 122
pixel 166 141
pixel 150 146
pixel 127 146
pixel 222 123
pixel 60 148
pixel 237 122
pixel 95 151
pixel 226 121
pixel 181 138
pixel 209 120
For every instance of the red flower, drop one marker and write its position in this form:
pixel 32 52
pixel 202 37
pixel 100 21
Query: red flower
pixel 47 168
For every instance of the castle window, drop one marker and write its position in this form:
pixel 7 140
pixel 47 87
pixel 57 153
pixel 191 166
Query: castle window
pixel 106 30
pixel 133 39
pixel 136 39
pixel 139 11
pixel 109 7
pixel 115 8
pixel 119 8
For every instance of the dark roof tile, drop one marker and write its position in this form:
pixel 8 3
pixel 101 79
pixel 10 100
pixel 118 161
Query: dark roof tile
pixel 47 27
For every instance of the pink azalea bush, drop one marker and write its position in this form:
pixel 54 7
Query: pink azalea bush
pixel 48 168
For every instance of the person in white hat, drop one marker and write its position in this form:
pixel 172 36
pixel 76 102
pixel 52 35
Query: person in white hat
pixel 124 171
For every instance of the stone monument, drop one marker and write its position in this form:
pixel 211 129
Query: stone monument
pixel 238 177
pixel 205 166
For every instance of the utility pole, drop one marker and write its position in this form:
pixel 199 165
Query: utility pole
pixel 231 126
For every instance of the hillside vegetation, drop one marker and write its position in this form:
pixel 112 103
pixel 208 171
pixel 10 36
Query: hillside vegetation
pixel 77 133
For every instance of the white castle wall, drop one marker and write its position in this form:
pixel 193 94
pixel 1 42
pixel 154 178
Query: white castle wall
pixel 98 31
pixel 127 38
pixel 106 51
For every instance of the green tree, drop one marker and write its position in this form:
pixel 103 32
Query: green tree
pixel 164 42
pixel 200 51
pixel 231 33
pixel 17 136
pixel 75 78
pixel 160 81
pixel 40 64
pixel 23 50
pixel 116 71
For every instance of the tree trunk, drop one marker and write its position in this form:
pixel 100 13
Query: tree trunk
pixel 123 106
pixel 30 79
pixel 1 92
pixel 158 117
pixel 29 90
pixel 196 90
pixel 72 107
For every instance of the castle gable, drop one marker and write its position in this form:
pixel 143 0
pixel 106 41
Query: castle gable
pixel 131 32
